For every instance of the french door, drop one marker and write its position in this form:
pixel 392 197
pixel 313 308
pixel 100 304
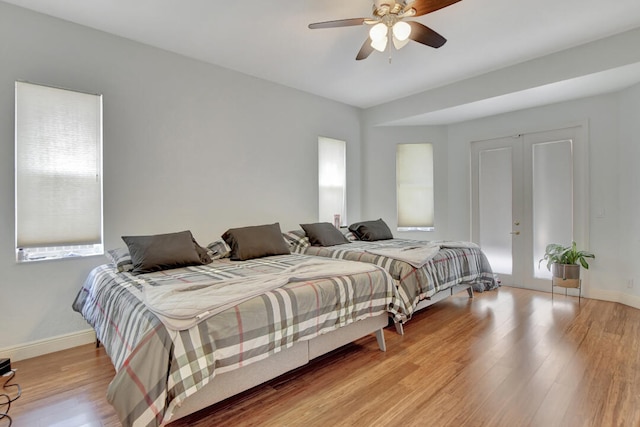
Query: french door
pixel 528 191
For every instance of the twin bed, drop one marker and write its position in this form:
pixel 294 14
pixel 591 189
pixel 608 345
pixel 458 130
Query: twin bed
pixel 175 353
pixel 437 270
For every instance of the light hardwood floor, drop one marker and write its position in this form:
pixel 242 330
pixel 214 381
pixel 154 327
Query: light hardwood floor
pixel 509 357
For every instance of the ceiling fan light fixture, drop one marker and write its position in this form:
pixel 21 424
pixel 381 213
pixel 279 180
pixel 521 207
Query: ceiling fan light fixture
pixel 378 32
pixel 380 45
pixel 401 31
pixel 388 25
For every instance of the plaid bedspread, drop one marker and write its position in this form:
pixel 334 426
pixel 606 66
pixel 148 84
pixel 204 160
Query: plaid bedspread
pixel 450 266
pixel 156 368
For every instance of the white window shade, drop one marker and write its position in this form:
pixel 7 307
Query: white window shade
pixel 414 187
pixel 58 167
pixel 332 180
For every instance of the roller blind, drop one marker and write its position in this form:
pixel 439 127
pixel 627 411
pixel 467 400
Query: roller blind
pixel 58 146
pixel 414 186
pixel 332 180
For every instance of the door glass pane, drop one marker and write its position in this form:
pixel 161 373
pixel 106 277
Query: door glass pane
pixel 495 201
pixel 552 199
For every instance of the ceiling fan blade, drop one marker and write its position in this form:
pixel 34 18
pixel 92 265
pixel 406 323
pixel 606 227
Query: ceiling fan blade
pixel 338 23
pixel 365 50
pixel 425 35
pixel 422 7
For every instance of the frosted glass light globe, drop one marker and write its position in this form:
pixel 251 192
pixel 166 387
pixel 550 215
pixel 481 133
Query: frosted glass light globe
pixel 378 32
pixel 380 45
pixel 401 30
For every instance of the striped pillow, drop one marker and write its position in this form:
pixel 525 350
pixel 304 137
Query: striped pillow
pixel 121 259
pixel 297 240
pixel 219 249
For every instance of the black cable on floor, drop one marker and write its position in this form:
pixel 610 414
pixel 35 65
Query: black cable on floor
pixel 6 399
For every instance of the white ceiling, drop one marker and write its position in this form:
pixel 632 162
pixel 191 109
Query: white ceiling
pixel 270 40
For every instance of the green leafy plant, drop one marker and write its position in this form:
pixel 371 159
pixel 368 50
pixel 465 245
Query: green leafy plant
pixel 555 253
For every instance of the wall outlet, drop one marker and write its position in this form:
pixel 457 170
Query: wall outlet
pixel 630 283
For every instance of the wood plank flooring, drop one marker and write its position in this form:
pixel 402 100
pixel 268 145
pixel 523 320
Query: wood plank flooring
pixel 509 357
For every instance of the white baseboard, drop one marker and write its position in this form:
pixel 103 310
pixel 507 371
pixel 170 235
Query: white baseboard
pixel 600 294
pixel 615 296
pixel 48 345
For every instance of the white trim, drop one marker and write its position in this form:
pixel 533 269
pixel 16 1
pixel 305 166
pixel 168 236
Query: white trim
pixel 591 293
pixel 520 143
pixel 48 345
pixel 615 296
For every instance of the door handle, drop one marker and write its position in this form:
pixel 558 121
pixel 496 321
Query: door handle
pixel 517 233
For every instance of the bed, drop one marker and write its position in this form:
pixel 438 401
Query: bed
pixel 167 368
pixel 450 267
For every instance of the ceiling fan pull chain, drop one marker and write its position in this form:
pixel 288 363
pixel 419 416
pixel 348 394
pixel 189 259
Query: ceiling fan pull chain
pixel 389 35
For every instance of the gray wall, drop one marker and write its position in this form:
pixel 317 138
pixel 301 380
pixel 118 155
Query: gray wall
pixel 186 146
pixel 379 169
pixel 628 182
pixel 190 145
pixel 614 179
pixel 599 113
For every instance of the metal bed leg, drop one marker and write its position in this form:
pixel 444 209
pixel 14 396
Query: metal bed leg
pixel 380 339
pixel 470 291
pixel 399 328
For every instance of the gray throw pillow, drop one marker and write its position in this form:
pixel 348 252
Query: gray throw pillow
pixel 164 251
pixel 371 230
pixel 324 234
pixel 255 242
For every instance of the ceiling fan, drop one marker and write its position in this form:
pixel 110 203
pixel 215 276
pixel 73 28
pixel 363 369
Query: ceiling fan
pixel 388 23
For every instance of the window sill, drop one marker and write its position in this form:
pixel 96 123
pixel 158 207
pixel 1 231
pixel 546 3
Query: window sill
pixel 48 254
pixel 416 229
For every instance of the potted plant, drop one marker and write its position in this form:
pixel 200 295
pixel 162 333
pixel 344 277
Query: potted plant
pixel 564 262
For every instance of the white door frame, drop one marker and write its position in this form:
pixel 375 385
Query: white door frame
pixel 523 274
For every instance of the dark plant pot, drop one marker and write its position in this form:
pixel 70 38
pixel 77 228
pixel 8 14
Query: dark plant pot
pixel 565 271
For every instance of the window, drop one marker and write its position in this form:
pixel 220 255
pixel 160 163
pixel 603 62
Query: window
pixel 414 187
pixel 58 169
pixel 332 180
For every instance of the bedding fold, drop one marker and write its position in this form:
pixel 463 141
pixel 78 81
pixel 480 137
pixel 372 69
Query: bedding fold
pixel 417 255
pixel 452 244
pixel 181 306
pixel 421 253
